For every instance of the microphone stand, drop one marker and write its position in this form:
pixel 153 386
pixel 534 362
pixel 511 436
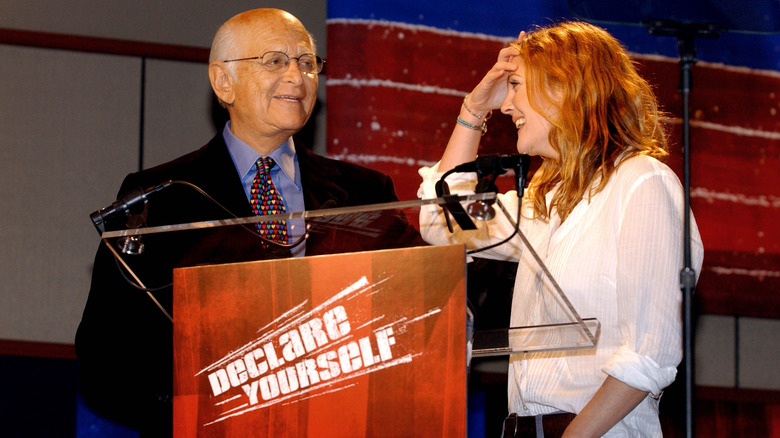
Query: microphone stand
pixel 686 33
pixel 521 172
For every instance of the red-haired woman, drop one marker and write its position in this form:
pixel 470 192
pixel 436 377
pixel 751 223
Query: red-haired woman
pixel 604 214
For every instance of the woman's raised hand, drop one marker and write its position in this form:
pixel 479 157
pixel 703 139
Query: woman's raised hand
pixel 491 90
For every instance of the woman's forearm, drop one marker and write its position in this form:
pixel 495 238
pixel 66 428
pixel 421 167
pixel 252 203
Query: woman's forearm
pixel 613 400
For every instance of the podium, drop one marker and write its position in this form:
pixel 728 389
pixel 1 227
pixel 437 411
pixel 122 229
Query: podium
pixel 357 344
pixel 363 336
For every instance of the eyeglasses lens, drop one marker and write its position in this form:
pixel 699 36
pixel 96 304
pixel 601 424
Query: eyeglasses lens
pixel 277 61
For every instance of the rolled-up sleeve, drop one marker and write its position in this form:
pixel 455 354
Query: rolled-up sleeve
pixel 640 372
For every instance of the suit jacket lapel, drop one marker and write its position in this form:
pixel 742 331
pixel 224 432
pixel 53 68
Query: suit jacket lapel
pixel 317 176
pixel 218 177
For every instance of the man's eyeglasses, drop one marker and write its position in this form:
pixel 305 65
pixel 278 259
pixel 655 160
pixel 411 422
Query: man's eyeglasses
pixel 275 62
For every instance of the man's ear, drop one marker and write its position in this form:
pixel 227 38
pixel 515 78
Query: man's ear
pixel 222 82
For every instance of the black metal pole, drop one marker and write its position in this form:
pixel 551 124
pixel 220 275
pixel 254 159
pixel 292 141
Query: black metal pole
pixel 686 33
pixel 687 275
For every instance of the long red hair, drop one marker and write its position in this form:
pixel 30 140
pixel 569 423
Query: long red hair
pixel 606 112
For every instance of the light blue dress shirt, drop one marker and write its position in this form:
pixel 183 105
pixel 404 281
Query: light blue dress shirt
pixel 286 176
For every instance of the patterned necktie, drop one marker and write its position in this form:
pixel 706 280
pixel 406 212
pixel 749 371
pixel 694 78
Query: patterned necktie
pixel 266 200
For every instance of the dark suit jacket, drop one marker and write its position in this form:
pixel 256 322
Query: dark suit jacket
pixel 124 342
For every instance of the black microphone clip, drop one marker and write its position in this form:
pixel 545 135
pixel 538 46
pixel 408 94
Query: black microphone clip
pixel 452 206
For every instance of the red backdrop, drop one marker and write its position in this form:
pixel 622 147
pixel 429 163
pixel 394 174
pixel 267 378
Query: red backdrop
pixel 394 92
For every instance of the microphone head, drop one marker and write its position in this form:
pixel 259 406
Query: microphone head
pixel 99 221
pixel 497 164
pixel 510 161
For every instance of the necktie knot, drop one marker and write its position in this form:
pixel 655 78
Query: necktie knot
pixel 265 164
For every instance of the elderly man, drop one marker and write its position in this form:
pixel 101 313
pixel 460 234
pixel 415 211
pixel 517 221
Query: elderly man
pixel 264 70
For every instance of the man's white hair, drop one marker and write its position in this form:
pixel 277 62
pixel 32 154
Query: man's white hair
pixel 222 47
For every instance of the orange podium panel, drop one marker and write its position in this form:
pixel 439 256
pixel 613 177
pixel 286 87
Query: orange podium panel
pixel 368 344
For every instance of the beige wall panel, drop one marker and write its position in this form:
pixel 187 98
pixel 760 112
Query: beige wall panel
pixel 68 133
pixel 177 110
pixel 759 353
pixel 172 22
pixel 714 348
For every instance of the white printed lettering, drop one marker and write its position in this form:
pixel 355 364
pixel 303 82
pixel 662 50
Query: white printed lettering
pixel 336 323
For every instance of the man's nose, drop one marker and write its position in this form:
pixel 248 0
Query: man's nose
pixel 293 70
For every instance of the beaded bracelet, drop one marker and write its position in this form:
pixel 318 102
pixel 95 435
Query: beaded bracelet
pixel 482 128
pixel 484 119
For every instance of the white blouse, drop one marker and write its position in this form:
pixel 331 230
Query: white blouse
pixel 617 258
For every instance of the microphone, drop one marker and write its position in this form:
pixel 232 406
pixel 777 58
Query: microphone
pixel 491 164
pixel 488 168
pixel 134 203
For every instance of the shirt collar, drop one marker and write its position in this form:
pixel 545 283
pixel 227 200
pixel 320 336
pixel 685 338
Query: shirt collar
pixel 244 157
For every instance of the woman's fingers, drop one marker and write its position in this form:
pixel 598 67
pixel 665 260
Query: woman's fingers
pixel 507 53
pixel 491 89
